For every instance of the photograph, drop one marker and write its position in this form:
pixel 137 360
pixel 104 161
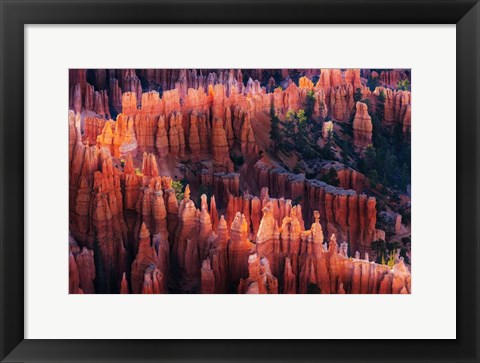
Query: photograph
pixel 239 181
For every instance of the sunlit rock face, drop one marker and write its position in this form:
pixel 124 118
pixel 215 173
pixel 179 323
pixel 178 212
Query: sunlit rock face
pixel 248 181
pixel 362 126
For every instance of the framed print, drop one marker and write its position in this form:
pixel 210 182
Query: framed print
pixel 198 181
pixel 223 184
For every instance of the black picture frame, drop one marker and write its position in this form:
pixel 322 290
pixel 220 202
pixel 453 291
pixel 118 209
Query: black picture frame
pixel 15 14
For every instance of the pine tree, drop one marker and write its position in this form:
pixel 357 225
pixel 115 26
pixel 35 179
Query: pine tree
pixel 331 177
pixel 327 151
pixel 178 187
pixel 404 177
pixel 403 85
pixel 295 76
pixel 313 289
pixel 275 134
pixel 372 83
pixel 381 106
pixel 391 260
pixel 309 105
pixel 370 158
pixel 358 95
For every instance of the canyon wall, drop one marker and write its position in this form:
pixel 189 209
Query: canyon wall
pixel 344 212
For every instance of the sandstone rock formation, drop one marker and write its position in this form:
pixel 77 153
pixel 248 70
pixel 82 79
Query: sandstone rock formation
pixel 350 216
pixel 239 249
pixel 208 279
pixel 146 257
pixel 74 278
pixel 362 126
pixel 260 276
pixel 86 270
